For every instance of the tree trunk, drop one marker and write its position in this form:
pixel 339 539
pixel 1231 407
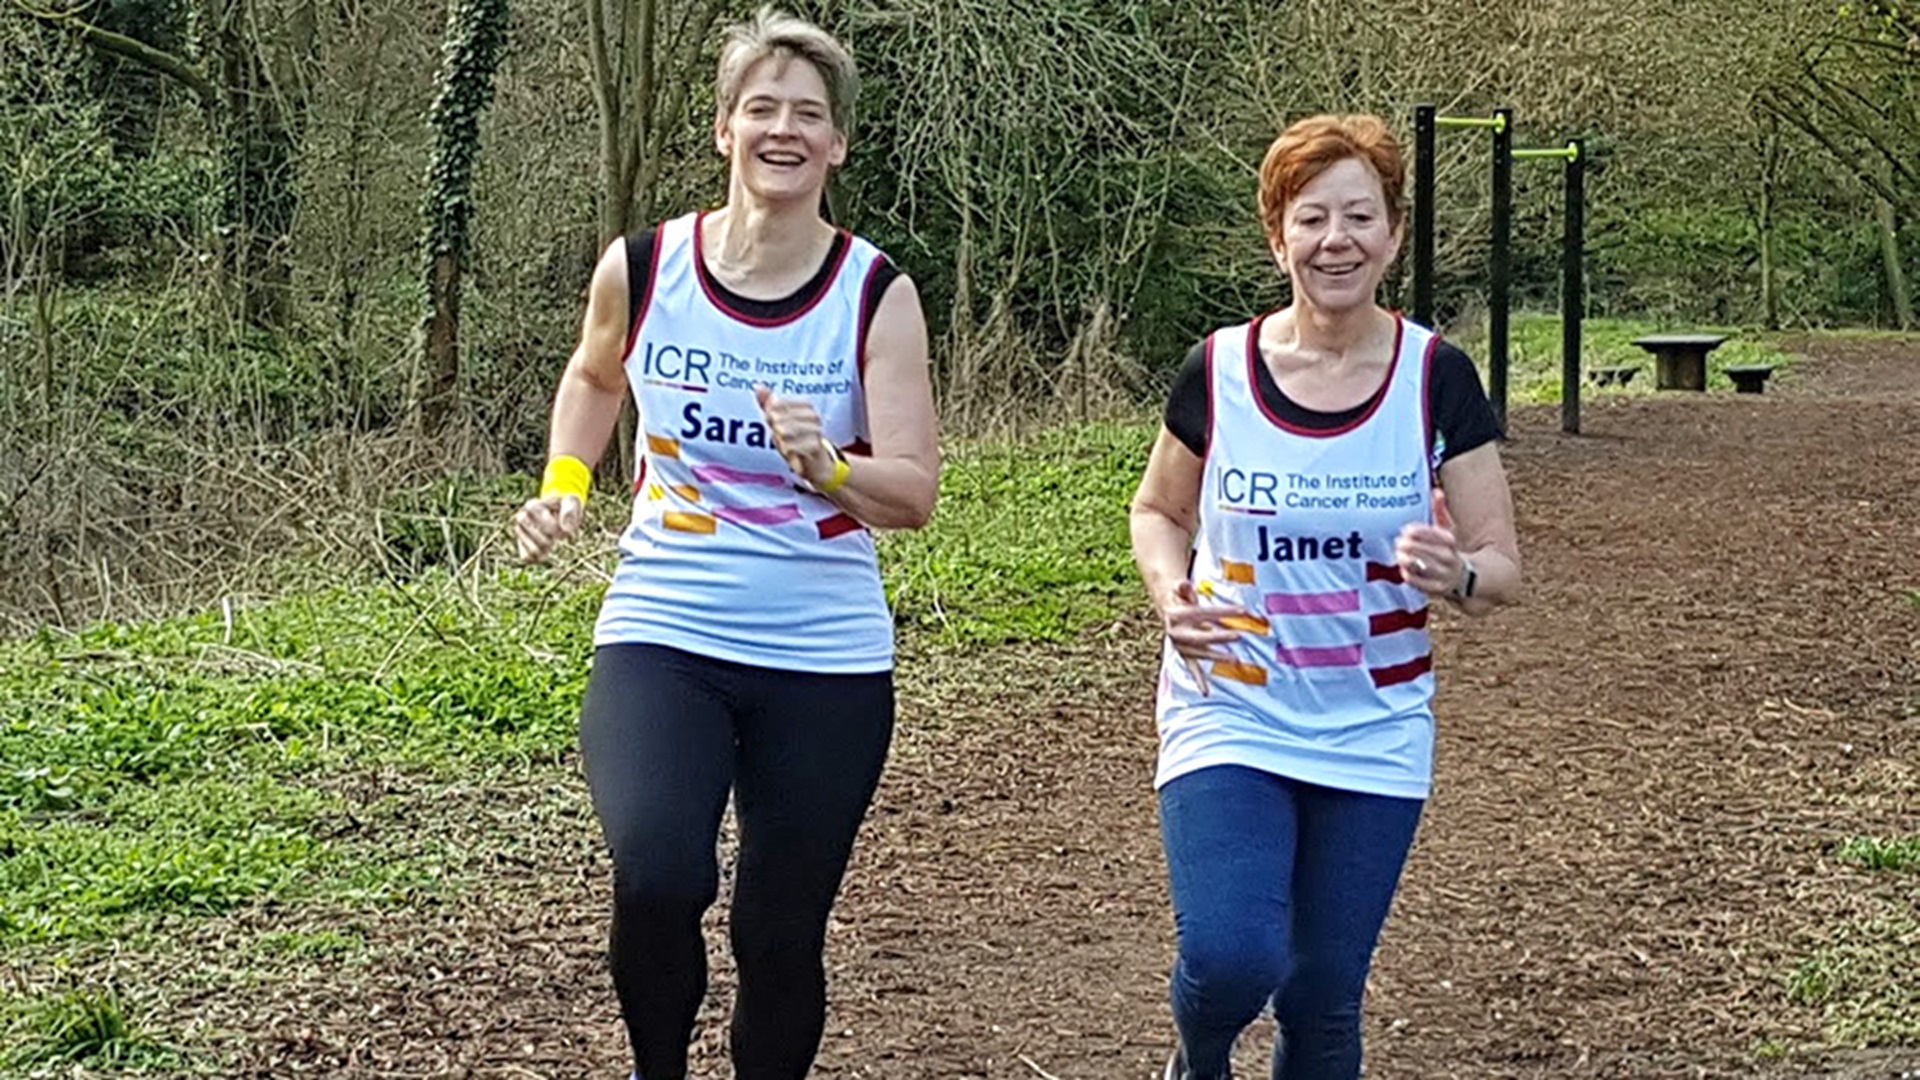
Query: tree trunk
pixel 1897 287
pixel 1769 292
pixel 441 365
pixel 642 72
pixel 476 35
pixel 631 62
pixel 260 199
pixel 1769 179
pixel 258 194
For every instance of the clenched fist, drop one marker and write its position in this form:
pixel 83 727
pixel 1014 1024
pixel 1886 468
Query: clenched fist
pixel 541 523
pixel 798 434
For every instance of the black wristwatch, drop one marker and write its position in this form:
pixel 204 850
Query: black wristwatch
pixel 1468 578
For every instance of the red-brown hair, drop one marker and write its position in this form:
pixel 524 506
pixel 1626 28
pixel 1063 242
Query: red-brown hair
pixel 1312 146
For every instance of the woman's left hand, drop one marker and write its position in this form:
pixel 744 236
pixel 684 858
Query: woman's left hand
pixel 1429 555
pixel 798 435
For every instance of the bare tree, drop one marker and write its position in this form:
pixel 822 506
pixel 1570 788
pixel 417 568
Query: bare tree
pixel 642 74
pixel 1855 93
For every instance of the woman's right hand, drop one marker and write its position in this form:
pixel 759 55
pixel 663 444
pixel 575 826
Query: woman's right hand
pixel 1194 629
pixel 539 524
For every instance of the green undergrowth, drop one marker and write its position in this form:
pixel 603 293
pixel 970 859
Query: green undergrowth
pixel 1029 542
pixel 190 766
pixel 1857 976
pixel 59 1034
pixel 1901 853
pixel 157 777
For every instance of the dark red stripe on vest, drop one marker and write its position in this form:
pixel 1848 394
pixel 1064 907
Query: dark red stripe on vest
pixel 1383 572
pixel 1392 622
pixel 837 525
pixel 1384 677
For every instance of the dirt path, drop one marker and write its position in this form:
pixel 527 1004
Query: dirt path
pixel 1644 775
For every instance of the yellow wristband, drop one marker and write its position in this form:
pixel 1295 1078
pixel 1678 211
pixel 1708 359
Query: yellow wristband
pixel 567 475
pixel 841 470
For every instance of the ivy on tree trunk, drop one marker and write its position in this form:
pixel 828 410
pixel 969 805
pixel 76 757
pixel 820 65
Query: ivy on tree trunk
pixel 476 36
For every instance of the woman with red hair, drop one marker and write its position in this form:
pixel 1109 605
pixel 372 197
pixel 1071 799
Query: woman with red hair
pixel 1291 529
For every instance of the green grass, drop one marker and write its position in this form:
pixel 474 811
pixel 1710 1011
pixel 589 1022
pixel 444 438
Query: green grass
pixel 312 944
pixel 1534 358
pixel 160 777
pixel 90 1027
pixel 184 766
pixel 190 767
pixel 1871 853
pixel 1861 982
pixel 1859 978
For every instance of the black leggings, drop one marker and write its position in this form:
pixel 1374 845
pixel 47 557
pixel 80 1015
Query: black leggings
pixel 665 735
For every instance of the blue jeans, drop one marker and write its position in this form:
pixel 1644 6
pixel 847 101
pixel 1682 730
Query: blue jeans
pixel 1279 892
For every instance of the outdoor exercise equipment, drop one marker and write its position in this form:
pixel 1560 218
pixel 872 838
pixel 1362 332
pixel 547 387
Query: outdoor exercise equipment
pixel 1426 123
pixel 1573 284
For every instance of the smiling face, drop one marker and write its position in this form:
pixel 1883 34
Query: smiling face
pixel 1337 238
pixel 780 137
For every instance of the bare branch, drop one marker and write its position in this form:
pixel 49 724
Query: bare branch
pixel 1812 129
pixel 127 48
pixel 1828 98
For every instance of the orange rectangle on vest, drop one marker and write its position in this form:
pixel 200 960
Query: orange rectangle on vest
pixel 1248 624
pixel 660 444
pixel 1240 573
pixel 687 492
pixel 693 523
pixel 1251 674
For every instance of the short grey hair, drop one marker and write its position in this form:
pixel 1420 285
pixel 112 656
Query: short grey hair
pixel 775 33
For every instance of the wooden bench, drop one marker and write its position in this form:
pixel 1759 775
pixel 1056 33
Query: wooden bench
pixel 1680 360
pixel 1749 378
pixel 1614 376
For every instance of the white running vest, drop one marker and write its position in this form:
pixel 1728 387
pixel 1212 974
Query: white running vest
pixel 1331 681
pixel 728 554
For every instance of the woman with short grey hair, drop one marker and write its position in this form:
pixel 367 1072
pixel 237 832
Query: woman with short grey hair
pixel 744 647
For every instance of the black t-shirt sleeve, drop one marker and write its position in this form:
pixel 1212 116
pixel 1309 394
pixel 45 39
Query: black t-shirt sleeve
pixel 878 281
pixel 1463 418
pixel 1190 405
pixel 639 272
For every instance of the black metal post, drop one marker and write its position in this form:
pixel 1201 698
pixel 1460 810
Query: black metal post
pixel 1497 285
pixel 1573 286
pixel 1423 143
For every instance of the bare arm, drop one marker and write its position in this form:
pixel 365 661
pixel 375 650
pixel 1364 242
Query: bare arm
pixel 1474 522
pixel 1163 517
pixel 587 404
pixel 1162 521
